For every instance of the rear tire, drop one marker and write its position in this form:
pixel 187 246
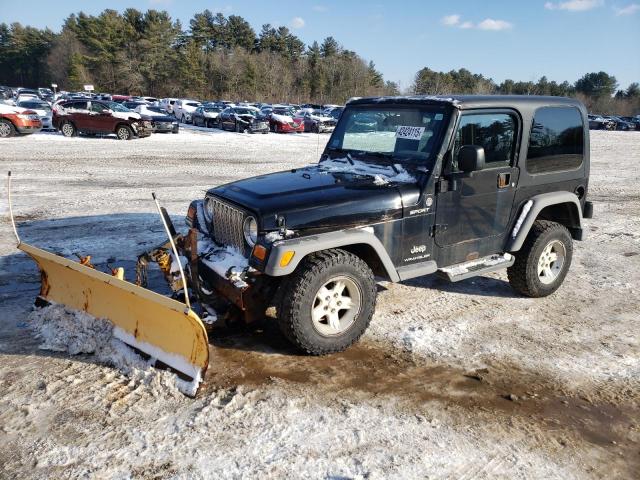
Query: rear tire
pixel 123 132
pixel 543 261
pixel 7 129
pixel 328 302
pixel 68 130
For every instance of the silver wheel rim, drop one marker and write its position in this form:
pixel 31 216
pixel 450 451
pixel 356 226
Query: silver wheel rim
pixel 336 306
pixel 123 133
pixel 551 261
pixel 67 129
pixel 5 130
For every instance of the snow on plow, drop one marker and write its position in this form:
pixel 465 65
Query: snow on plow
pixel 160 327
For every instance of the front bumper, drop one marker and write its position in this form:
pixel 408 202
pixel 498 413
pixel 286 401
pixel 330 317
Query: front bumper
pixel 165 126
pixel 142 129
pixel 28 126
pixel 287 128
pixel 258 127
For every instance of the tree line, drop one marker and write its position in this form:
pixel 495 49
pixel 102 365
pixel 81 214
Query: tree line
pixel 597 90
pixel 215 57
pixel 222 57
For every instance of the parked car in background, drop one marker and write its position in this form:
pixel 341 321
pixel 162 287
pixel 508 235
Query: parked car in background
pixel 18 121
pixel 161 121
pixel 42 109
pixel 46 94
pixel 242 119
pixel 183 109
pixel 206 115
pixel 621 124
pixel 334 112
pixel 598 122
pixel 316 121
pixel 635 121
pixel 133 104
pixel 120 98
pixel 97 117
pixel 283 119
pixel 167 104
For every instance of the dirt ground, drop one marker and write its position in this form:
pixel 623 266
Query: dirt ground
pixel 464 380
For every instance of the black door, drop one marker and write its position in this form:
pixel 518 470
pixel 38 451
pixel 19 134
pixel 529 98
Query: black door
pixel 477 206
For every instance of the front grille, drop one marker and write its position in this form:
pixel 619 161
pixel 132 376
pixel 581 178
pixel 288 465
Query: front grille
pixel 227 224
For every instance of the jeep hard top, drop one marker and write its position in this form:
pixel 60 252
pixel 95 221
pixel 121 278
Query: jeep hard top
pixel 406 186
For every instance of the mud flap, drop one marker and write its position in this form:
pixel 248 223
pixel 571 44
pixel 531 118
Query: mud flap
pixel 160 327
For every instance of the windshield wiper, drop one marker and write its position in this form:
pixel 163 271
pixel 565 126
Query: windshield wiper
pixel 383 155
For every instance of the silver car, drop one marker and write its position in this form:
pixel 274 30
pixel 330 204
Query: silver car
pixel 42 108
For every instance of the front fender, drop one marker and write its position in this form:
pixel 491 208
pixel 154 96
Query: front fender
pixel 304 246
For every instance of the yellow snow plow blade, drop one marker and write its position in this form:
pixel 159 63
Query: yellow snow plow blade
pixel 163 328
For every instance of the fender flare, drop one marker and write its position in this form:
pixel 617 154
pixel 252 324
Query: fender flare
pixel 304 246
pixel 530 211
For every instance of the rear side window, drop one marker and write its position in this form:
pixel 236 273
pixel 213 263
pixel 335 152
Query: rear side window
pixel 557 140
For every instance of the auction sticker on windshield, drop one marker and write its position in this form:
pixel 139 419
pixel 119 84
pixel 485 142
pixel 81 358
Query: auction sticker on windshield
pixel 409 133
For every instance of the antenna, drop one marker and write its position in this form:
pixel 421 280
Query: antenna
pixel 175 252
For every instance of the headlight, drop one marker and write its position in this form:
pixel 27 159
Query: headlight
pixel 208 209
pixel 250 228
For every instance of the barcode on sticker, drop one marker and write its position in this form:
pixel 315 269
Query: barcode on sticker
pixel 409 133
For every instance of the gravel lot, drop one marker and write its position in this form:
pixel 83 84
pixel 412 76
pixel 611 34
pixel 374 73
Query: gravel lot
pixel 462 380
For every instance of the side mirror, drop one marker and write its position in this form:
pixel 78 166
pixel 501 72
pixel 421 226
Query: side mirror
pixel 471 158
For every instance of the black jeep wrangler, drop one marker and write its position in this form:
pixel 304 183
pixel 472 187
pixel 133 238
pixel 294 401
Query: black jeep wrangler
pixel 406 186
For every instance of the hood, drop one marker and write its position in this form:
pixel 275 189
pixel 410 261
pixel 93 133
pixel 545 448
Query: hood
pixel 247 117
pixel 4 108
pixel 281 118
pixel 319 118
pixel 158 117
pixel 319 198
pixel 127 115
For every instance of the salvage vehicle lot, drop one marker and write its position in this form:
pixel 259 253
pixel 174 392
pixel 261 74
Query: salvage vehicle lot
pixel 462 380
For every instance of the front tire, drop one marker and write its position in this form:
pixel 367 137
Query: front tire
pixel 544 260
pixel 123 132
pixel 328 302
pixel 7 129
pixel 68 129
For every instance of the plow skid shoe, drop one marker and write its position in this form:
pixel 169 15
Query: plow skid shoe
pixel 162 328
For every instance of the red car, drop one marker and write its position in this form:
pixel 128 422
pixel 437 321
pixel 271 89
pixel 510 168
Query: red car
pixel 16 120
pixel 284 120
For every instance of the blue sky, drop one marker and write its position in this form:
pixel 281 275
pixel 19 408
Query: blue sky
pixel 501 39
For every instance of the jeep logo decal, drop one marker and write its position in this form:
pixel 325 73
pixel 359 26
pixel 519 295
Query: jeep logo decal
pixel 418 249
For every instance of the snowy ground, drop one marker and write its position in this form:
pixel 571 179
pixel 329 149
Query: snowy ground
pixel 462 380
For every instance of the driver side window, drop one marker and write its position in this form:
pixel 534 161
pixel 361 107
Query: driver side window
pixel 495 132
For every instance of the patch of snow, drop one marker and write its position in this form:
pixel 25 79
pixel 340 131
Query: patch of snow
pixel 382 174
pixel 62 329
pixel 223 260
pixel 277 235
pixel 281 118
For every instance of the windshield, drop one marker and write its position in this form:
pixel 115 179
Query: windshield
pixel 117 107
pixel 284 111
pixel 400 133
pixel 246 111
pixel 35 105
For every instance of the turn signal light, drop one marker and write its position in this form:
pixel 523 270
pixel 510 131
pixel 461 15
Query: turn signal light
pixel 260 252
pixel 286 258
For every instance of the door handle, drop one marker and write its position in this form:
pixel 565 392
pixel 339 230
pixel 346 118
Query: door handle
pixel 504 179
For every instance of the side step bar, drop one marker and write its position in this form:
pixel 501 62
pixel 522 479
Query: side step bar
pixel 465 270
